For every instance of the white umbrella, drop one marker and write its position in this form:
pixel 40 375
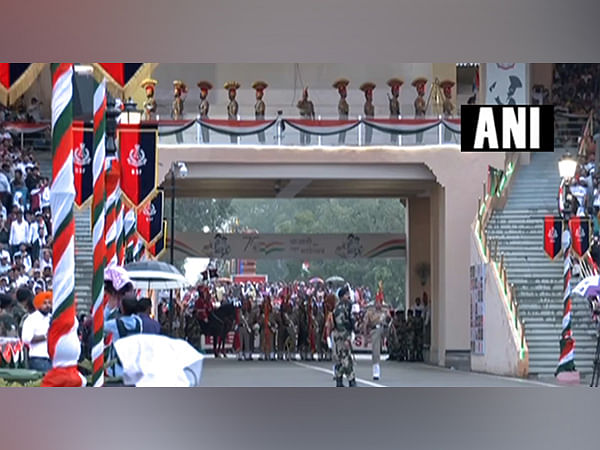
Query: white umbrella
pixel 155 275
pixel 152 360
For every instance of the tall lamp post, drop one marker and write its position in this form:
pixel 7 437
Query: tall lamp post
pixel 567 167
pixel 177 168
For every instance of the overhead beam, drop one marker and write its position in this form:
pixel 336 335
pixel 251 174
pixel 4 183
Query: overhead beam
pixel 293 188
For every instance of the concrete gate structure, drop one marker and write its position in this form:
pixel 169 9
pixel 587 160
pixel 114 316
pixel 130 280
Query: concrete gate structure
pixel 439 185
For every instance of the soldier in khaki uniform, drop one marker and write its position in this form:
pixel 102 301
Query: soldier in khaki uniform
pixel 375 322
pixel 179 89
pixel 232 106
pixel 368 109
pixel 343 108
pixel 246 329
pixel 395 84
pixel 447 106
pixel 420 104
pixel 204 106
pixel 260 107
pixel 307 111
pixel 149 86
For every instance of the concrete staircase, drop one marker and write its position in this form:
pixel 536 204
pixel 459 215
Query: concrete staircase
pixel 84 259
pixel 519 230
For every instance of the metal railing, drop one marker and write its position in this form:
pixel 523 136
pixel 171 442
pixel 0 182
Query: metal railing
pixel 487 203
pixel 359 136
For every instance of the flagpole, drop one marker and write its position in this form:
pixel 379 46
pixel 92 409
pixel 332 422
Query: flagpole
pixel 566 362
pixel 63 342
pixel 98 233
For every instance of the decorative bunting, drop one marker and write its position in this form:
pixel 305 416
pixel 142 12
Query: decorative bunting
pixel 16 79
pixel 124 78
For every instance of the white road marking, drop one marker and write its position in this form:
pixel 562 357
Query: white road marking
pixel 330 372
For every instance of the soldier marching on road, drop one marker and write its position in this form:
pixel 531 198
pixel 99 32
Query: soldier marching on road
pixel 376 321
pixel 342 336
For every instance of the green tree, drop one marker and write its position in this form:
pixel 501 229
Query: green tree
pixel 330 216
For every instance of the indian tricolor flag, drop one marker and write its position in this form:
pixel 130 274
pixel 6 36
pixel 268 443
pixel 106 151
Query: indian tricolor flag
pixel 306 267
pixel 237 127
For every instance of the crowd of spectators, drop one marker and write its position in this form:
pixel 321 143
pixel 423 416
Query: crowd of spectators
pixel 25 222
pixel 576 88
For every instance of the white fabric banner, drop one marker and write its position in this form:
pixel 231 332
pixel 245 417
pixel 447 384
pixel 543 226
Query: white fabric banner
pixel 507 84
pixel 294 246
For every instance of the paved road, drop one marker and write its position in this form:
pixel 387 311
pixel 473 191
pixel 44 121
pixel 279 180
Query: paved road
pixel 232 373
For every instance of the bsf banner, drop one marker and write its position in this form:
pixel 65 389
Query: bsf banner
pixel 83 144
pixel 138 155
pixel 553 229
pixel 362 343
pixel 150 219
pixel 158 248
pixel 581 229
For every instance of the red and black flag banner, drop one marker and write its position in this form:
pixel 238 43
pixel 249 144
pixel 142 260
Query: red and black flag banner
pixel 553 229
pixel 581 229
pixel 150 219
pixel 159 247
pixel 138 154
pixel 83 145
pixel 16 79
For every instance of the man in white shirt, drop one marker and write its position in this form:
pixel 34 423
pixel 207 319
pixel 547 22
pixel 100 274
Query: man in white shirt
pixel 34 239
pixel 19 232
pixel 46 260
pixel 35 333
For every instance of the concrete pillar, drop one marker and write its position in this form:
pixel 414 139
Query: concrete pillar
pixel 437 296
pixel 419 212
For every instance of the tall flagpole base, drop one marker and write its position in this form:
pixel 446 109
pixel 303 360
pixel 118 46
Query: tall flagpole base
pixel 571 377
